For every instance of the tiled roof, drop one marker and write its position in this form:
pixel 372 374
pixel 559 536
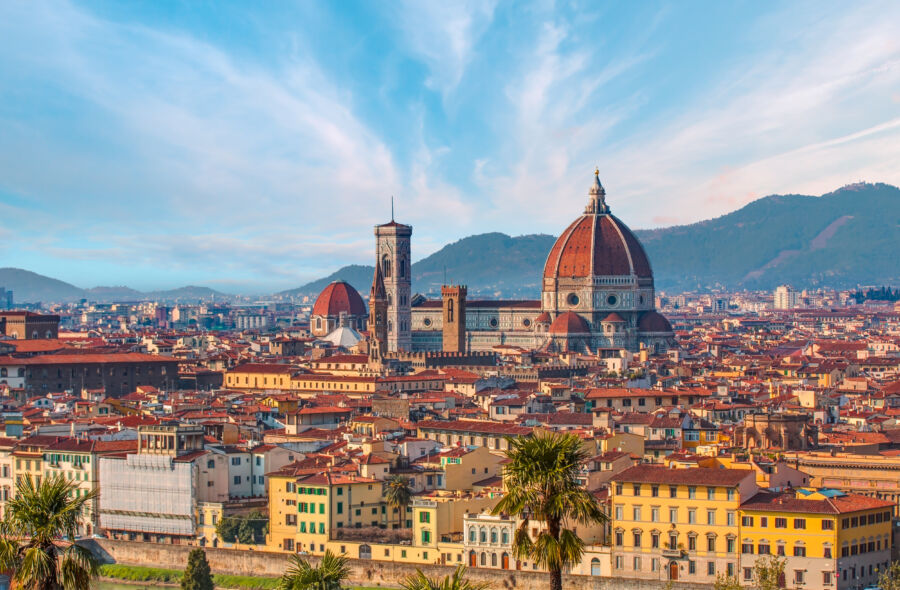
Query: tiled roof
pixel 690 476
pixel 475 426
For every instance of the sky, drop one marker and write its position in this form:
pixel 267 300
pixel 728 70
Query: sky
pixel 252 146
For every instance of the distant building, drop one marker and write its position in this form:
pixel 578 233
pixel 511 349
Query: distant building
pixel 339 304
pixel 26 325
pixel 6 298
pixel 786 297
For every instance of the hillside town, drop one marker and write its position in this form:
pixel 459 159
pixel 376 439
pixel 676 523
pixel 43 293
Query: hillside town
pixel 716 429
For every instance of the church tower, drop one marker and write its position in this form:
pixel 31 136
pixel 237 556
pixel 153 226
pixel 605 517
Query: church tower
pixel 377 320
pixel 454 317
pixel 392 256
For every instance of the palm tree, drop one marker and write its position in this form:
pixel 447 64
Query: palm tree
pixel 36 520
pixel 398 495
pixel 541 485
pixel 454 581
pixel 328 575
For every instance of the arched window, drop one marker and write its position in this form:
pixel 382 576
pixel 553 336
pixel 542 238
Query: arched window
pixel 401 268
pixel 482 536
pixel 504 536
pixel 483 558
pixel 494 559
pixel 386 266
pixel 472 534
pixel 318 323
pixel 493 535
pixel 450 310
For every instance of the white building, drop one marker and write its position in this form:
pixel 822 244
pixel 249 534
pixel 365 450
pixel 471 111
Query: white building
pixel 786 297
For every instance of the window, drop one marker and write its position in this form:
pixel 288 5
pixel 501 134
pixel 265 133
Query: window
pixel 673 491
pixel 424 516
pixel 673 515
pixel 730 494
pixel 636 512
pixel 746 521
pixel 710 568
pixel 779 549
pixel 620 539
pixel 710 493
pixel 711 544
pixel 654 540
pixel 340 507
pixel 654 564
pixel 472 534
pixel 799 523
pixel 780 523
pixel 692 492
pixel 827 525
pixel 729 544
pixel 711 517
pixel 637 564
pixel 426 537
pixel 237 480
pixel 826 551
pixel 763 521
pixel 747 547
pixel 637 489
pixel 730 518
pixel 748 574
pixel 637 538
pixel 799 551
pixel 620 512
pixel 493 535
pixel 619 489
pixel 654 491
pixel 673 540
pixel 692 516
pixel 826 578
pixel 798 576
pixel 764 548
pixel 654 514
pixel 619 564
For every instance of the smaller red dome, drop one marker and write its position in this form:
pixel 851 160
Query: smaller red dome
pixel 569 323
pixel 337 298
pixel 614 318
pixel 544 318
pixel 654 322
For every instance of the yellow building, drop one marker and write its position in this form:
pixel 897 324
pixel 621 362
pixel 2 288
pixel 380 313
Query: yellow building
pixel 677 524
pixel 259 376
pixel 463 466
pixel 829 539
pixel 306 511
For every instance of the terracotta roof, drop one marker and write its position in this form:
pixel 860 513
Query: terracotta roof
pixel 569 323
pixel 475 426
pixel 689 476
pixel 791 502
pixel 653 321
pixel 78 359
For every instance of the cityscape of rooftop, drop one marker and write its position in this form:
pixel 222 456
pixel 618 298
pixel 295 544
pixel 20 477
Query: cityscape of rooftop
pixel 469 296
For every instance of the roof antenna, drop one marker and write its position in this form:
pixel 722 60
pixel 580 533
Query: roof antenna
pixel 392 207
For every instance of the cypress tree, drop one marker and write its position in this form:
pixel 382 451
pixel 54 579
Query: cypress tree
pixel 197 575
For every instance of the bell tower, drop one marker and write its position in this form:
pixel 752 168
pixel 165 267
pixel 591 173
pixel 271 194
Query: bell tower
pixel 377 320
pixel 454 317
pixel 392 256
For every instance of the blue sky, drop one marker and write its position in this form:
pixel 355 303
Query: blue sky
pixel 252 146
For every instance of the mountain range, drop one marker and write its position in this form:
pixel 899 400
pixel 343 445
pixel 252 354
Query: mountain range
pixel 845 238
pixel 841 239
pixel 30 287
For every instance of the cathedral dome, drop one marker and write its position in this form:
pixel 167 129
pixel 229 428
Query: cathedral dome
pixel 569 323
pixel 337 298
pixel 653 321
pixel 597 244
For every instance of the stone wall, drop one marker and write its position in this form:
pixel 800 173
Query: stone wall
pixel 362 572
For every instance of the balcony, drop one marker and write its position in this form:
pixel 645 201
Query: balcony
pixel 673 553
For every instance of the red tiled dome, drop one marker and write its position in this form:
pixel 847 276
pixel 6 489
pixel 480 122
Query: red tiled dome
pixel 569 323
pixel 597 245
pixel 544 318
pixel 614 318
pixel 339 297
pixel 654 322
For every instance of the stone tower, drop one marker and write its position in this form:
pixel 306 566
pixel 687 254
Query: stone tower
pixel 392 256
pixel 377 320
pixel 454 305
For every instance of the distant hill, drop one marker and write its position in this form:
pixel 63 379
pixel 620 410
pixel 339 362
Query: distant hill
pixel 847 237
pixel 30 287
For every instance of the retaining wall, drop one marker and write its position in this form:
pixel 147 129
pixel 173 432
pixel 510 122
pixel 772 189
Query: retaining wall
pixel 362 572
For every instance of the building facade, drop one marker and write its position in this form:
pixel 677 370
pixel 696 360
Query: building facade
pixel 392 256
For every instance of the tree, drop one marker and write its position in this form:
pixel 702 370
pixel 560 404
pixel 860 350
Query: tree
pixel 246 529
pixel 197 575
pixel 541 485
pixel 398 495
pixel 889 579
pixel 36 520
pixel 768 572
pixel 328 575
pixel 455 581
pixel 726 582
